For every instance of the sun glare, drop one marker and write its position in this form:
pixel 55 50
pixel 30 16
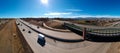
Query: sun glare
pixel 44 1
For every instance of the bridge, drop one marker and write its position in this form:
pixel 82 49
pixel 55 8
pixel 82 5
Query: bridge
pixel 102 34
pixel 62 42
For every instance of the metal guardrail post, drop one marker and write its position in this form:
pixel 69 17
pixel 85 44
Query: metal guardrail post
pixel 84 33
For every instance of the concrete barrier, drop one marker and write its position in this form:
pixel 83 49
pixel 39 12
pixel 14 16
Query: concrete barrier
pixel 77 31
pixel 98 38
pixel 24 42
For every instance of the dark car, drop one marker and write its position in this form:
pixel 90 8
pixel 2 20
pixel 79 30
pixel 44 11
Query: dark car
pixel 41 39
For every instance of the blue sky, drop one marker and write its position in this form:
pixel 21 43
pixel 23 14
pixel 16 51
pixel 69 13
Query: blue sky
pixel 59 8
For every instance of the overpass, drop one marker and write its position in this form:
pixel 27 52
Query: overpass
pixel 57 46
pixel 93 33
pixel 60 36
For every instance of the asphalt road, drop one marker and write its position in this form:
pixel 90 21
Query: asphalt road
pixel 63 35
pixel 53 46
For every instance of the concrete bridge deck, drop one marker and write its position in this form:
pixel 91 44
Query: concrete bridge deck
pixel 62 35
pixel 54 46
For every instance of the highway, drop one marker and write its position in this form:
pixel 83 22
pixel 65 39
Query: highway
pixel 54 46
pixel 64 35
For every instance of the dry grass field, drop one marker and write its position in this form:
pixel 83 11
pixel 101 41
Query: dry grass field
pixel 55 24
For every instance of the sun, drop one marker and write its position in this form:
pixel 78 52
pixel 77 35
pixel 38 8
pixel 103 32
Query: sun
pixel 44 1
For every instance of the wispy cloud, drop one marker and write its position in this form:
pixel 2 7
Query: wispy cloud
pixel 57 13
pixel 76 10
pixel 97 16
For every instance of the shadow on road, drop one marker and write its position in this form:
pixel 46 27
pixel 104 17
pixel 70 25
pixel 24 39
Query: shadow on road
pixel 96 38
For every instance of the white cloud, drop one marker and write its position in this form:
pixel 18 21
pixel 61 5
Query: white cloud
pixel 77 10
pixel 57 13
pixel 97 16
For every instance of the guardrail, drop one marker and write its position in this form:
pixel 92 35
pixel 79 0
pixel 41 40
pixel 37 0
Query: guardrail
pixel 73 29
pixel 91 35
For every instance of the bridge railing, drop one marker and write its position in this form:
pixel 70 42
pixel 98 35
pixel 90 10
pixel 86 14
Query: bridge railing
pixel 107 32
pixel 97 35
pixel 73 26
pixel 100 32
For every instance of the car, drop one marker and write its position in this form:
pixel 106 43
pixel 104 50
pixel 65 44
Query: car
pixel 38 27
pixel 23 29
pixel 18 24
pixel 41 39
pixel 29 31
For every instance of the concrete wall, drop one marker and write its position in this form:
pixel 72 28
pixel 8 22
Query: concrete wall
pixel 26 46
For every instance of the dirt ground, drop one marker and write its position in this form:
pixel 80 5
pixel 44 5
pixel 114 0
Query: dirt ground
pixel 115 48
pixel 9 40
pixel 55 24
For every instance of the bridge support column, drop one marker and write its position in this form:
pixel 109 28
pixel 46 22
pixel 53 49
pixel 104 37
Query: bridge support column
pixel 84 33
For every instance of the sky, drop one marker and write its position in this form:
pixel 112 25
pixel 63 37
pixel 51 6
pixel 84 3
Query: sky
pixel 59 8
